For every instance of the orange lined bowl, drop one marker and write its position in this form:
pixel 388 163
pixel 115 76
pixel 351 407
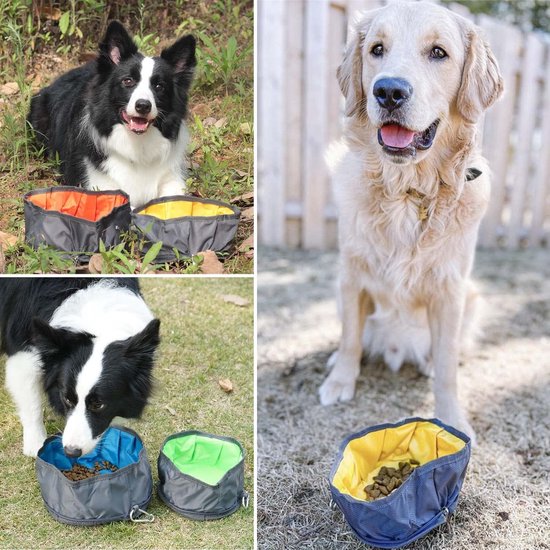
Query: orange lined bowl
pixel 186 225
pixel 75 220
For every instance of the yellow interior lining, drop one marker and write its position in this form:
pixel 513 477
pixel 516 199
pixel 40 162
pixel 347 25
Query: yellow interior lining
pixel 179 209
pixel 363 457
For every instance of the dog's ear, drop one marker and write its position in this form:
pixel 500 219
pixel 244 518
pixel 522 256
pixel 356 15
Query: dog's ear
pixel 116 44
pixel 143 344
pixel 181 55
pixel 54 342
pixel 350 74
pixel 481 83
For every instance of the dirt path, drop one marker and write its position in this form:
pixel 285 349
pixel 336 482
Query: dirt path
pixel 505 386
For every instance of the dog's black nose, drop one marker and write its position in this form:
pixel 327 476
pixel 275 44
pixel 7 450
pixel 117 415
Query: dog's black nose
pixel 143 106
pixel 391 93
pixel 73 452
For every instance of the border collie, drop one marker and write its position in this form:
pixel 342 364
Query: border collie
pixel 118 122
pixel 88 343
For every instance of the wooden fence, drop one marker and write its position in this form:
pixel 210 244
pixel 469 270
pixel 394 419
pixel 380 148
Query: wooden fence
pixel 300 44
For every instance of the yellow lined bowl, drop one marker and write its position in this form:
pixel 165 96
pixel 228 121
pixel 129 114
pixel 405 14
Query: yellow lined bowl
pixel 422 502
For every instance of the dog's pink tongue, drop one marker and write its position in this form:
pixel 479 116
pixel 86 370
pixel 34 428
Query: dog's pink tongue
pixel 138 124
pixel 394 135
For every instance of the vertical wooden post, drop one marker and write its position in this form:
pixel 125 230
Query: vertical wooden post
pixel 271 124
pixel 315 123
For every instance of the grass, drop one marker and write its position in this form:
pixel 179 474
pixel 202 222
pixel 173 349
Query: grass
pixel 38 45
pixel 204 339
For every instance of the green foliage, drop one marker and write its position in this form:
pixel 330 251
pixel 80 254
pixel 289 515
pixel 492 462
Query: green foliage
pixel 22 258
pixel 527 14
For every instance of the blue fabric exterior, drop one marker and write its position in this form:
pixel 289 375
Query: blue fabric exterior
pixel 416 507
pixel 118 447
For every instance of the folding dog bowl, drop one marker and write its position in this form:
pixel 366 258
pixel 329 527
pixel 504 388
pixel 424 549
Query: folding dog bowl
pixel 201 476
pixel 186 224
pixel 106 497
pixel 422 502
pixel 74 220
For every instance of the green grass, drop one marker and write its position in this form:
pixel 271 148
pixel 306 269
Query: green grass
pixel 37 47
pixel 204 339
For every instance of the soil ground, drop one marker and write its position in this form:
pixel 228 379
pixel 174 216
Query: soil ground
pixel 504 386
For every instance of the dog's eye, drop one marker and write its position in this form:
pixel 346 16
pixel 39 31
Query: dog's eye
pixel 377 50
pixel 128 82
pixel 68 402
pixel 159 87
pixel 96 406
pixel 438 53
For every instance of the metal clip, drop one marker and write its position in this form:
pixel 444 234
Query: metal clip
pixel 445 512
pixel 137 512
pixel 245 500
pixel 332 505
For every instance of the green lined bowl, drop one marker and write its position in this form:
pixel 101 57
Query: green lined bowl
pixel 202 475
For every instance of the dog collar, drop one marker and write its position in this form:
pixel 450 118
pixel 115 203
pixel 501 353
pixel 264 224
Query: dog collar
pixel 471 174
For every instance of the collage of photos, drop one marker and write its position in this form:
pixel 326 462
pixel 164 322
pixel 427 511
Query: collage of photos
pixel 275 274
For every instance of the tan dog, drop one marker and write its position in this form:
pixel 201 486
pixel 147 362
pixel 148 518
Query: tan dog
pixel 416 78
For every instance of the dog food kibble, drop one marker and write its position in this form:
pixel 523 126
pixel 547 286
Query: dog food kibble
pixel 79 472
pixel 389 479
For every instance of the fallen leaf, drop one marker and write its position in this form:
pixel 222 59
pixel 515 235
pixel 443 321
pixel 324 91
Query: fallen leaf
pixel 246 128
pixel 9 88
pixel 96 264
pixel 235 300
pixel 210 263
pixel 221 122
pixel 6 239
pixel 247 247
pixel 247 213
pixel 226 385
pixel 245 198
pixel 170 410
pixel 209 121
pixel 50 13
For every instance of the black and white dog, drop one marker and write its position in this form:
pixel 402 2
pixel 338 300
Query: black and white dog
pixel 118 122
pixel 88 343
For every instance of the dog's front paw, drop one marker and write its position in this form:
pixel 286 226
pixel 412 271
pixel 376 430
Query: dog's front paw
pixel 32 441
pixel 332 391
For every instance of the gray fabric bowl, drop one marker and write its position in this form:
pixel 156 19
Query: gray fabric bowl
pixel 75 220
pixel 106 497
pixel 201 476
pixel 166 220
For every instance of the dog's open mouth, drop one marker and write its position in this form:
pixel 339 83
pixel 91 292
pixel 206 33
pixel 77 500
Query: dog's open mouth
pixel 398 140
pixel 137 124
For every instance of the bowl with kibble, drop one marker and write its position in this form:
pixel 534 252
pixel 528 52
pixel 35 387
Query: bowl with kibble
pixel 396 482
pixel 113 482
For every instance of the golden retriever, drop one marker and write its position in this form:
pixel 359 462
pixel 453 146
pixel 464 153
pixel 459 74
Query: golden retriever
pixel 411 189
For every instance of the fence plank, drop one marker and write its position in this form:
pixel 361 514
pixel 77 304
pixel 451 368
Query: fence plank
pixel 315 123
pixel 294 23
pixel 271 130
pixel 527 113
pixel 499 123
pixel 542 167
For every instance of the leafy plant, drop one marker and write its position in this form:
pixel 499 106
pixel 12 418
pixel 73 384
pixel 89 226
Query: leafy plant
pixel 220 63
